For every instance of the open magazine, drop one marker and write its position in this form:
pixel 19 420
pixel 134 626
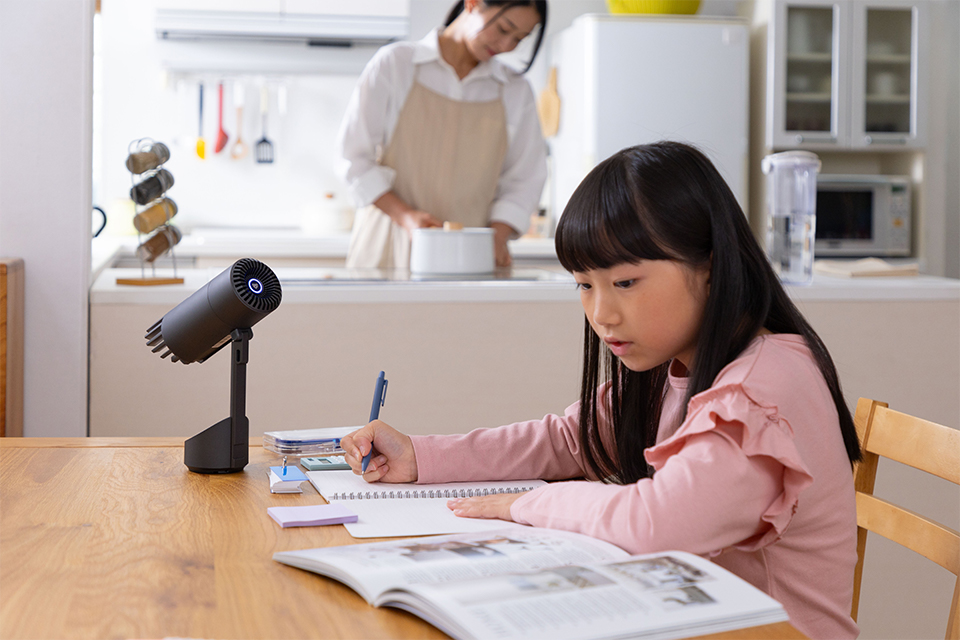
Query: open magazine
pixel 525 582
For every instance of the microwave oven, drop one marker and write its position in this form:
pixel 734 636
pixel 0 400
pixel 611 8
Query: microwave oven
pixel 863 215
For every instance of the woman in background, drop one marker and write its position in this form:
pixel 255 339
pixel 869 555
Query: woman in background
pixel 440 130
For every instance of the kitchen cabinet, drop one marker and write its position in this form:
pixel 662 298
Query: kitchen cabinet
pixel 848 74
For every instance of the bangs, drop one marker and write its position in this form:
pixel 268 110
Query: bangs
pixel 599 227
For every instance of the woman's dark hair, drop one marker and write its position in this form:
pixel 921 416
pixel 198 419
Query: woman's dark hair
pixel 666 201
pixel 539 5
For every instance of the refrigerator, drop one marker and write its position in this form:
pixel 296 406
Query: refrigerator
pixel 628 80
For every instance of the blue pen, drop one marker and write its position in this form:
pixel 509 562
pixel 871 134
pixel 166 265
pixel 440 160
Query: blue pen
pixel 379 397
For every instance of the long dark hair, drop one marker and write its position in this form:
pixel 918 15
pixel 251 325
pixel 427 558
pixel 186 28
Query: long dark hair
pixel 539 5
pixel 666 201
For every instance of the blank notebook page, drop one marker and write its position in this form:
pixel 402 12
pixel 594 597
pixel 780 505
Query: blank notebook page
pixel 388 510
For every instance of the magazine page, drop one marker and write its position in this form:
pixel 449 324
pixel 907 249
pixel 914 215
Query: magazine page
pixel 666 595
pixel 373 568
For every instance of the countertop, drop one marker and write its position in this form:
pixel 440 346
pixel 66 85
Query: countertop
pixel 266 243
pixel 341 285
pixel 522 283
pixel 519 284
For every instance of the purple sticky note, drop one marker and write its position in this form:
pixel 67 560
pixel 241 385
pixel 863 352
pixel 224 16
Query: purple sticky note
pixel 312 516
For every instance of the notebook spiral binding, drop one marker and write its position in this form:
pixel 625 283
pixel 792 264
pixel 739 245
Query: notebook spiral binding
pixel 431 493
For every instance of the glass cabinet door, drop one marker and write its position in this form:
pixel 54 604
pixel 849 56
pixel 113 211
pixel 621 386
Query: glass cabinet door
pixel 887 75
pixel 810 96
pixel 888 70
pixel 806 83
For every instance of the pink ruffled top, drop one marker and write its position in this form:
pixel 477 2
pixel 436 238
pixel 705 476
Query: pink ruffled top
pixel 756 477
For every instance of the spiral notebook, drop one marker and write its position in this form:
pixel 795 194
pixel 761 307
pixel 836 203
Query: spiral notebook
pixel 389 510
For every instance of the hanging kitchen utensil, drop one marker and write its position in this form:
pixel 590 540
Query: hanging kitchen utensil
pixel 548 107
pixel 239 149
pixel 201 146
pixel 264 148
pixel 222 136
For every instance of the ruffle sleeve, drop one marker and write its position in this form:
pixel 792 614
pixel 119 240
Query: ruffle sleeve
pixel 761 431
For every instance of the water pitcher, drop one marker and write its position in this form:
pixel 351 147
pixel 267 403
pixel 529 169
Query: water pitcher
pixel 791 213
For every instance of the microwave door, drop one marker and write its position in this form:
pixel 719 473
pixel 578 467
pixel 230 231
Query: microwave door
pixel 845 221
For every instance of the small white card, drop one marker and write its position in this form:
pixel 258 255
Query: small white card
pixel 286 480
pixel 311 516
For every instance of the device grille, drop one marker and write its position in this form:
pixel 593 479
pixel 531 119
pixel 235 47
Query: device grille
pixel 256 284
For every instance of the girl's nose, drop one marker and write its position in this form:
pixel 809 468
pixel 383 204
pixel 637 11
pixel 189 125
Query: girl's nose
pixel 605 312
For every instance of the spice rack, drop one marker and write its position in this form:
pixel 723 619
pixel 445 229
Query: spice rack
pixel 150 182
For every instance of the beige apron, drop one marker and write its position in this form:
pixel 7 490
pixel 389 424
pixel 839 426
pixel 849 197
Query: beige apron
pixel 447 156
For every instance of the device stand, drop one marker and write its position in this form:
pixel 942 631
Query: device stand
pixel 225 447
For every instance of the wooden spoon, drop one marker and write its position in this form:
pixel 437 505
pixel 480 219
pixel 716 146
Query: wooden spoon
pixel 239 149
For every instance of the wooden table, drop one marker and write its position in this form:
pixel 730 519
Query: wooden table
pixel 114 538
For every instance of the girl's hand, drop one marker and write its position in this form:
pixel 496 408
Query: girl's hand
pixel 501 233
pixel 495 506
pixel 393 460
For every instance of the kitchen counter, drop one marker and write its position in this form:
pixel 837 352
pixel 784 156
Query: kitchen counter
pixel 312 285
pixel 468 353
pixel 329 285
pixel 208 245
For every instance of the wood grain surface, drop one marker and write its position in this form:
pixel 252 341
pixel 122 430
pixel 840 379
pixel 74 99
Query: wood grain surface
pixel 108 538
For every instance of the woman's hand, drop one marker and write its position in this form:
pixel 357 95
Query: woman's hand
pixel 494 506
pixel 403 214
pixel 414 219
pixel 393 460
pixel 501 233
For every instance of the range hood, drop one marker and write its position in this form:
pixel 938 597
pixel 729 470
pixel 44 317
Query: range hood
pixel 316 29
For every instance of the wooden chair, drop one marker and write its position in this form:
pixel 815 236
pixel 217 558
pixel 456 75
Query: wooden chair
pixel 11 347
pixel 920 444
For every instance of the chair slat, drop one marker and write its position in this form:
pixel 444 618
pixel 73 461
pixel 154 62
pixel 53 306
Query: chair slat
pixel 930 539
pixel 924 445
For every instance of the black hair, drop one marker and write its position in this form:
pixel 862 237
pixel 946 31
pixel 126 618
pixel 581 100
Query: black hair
pixel 666 201
pixel 539 5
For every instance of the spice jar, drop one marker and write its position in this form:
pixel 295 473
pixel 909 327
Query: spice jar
pixel 149 158
pixel 159 243
pixel 158 214
pixel 152 188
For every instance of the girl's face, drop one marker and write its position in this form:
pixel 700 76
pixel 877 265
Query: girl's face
pixel 486 39
pixel 646 312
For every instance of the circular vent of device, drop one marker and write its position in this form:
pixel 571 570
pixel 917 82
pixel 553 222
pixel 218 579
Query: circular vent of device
pixel 256 284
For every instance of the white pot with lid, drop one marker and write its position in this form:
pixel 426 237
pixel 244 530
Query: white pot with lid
pixel 452 251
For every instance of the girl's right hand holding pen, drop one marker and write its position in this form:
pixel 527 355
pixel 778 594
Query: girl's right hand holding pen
pixel 394 459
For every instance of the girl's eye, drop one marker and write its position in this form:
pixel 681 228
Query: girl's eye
pixel 582 286
pixel 624 284
pixel 502 30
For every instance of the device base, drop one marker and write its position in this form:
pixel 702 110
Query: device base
pixel 222 448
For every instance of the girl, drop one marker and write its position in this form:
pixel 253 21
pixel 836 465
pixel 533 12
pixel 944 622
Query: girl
pixel 710 419
pixel 441 130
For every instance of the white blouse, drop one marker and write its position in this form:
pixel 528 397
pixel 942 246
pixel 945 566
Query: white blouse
pixel 379 97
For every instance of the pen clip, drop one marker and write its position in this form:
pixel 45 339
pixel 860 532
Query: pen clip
pixel 383 394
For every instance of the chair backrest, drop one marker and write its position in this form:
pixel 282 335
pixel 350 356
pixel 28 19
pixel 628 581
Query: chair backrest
pixel 920 444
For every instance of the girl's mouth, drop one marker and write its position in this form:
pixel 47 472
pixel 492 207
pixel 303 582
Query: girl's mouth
pixel 618 347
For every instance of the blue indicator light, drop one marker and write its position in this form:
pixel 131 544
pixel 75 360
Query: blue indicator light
pixel 255 285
